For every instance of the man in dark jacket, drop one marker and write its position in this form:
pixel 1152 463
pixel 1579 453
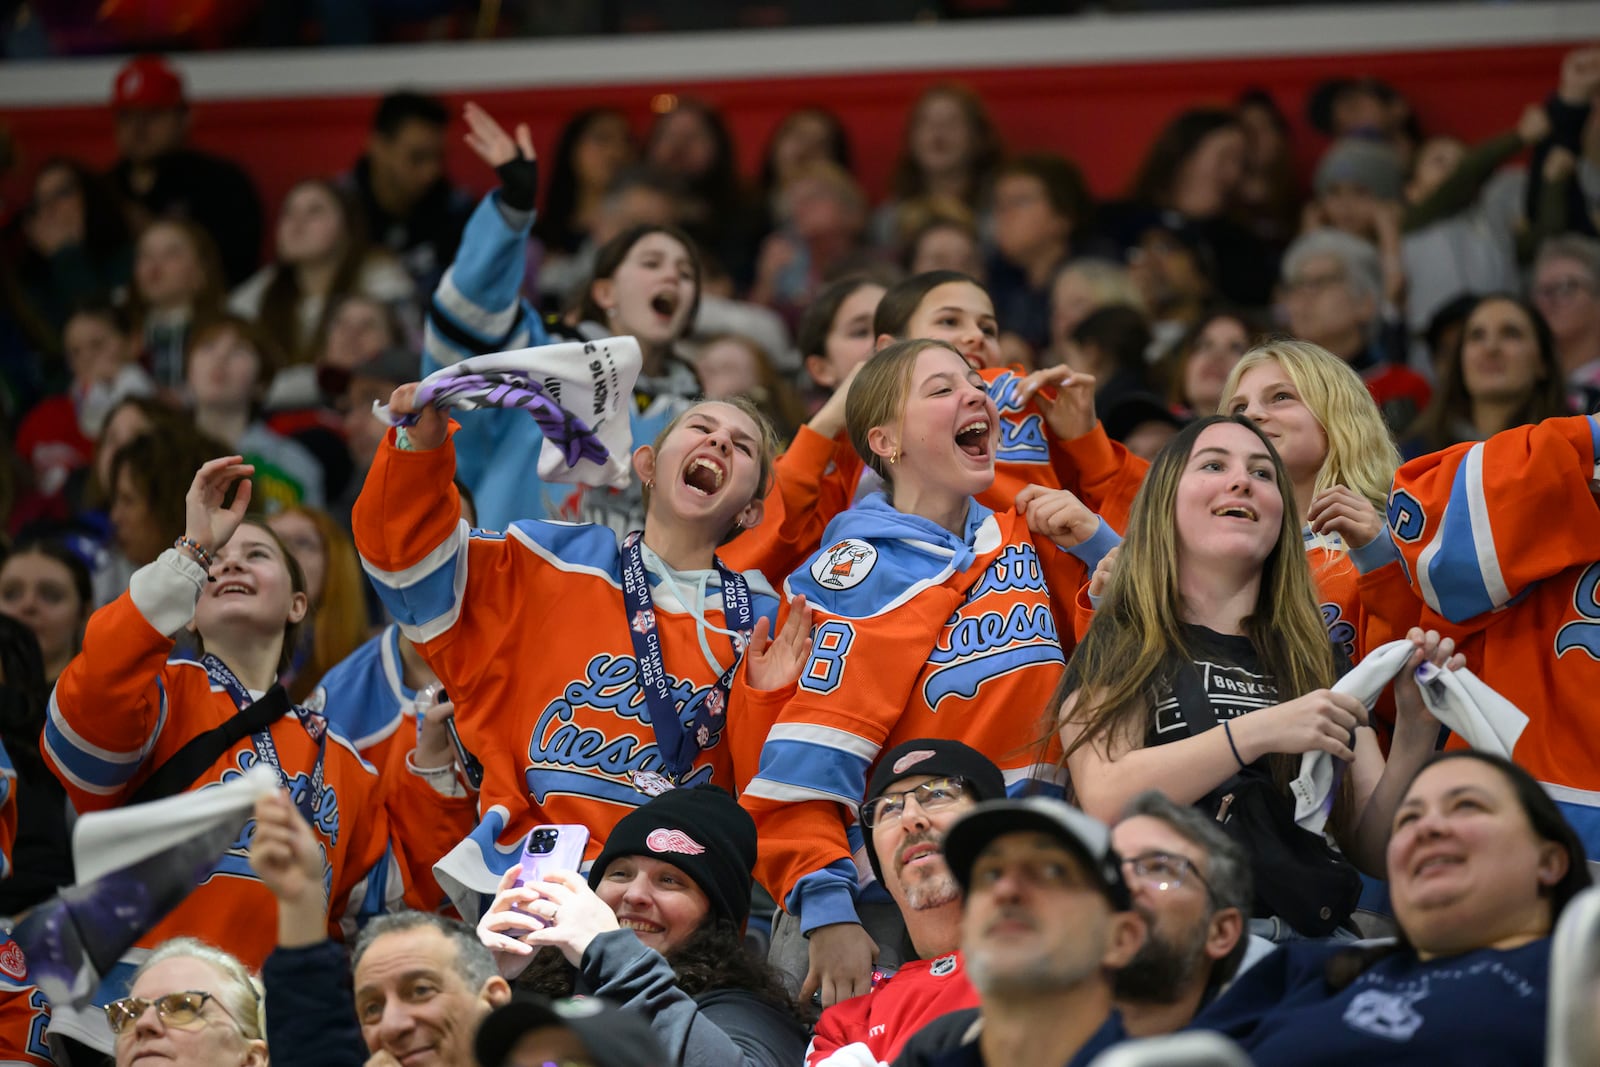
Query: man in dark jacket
pixel 159 176
pixel 406 199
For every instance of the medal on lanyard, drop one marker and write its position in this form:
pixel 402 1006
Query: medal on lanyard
pixel 679 740
pixel 266 749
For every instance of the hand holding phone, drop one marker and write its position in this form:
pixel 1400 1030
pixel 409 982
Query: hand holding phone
pixel 549 848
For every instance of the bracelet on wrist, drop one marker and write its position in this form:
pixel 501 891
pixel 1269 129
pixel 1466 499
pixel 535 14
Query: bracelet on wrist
pixel 1227 729
pixel 195 550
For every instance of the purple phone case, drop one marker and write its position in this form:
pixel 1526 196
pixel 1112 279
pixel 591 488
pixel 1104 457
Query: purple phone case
pixel 565 855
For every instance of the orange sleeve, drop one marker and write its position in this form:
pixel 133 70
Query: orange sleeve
pixel 1102 473
pixel 811 483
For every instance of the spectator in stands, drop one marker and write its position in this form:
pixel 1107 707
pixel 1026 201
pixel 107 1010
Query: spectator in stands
pixel 658 928
pixel 126 696
pixel 407 203
pixel 1174 268
pixel 731 365
pixel 321 254
pixel 77 247
pixel 595 146
pixel 951 151
pixel 1214 562
pixel 1048 921
pixel 422 982
pixel 692 144
pixel 1332 296
pixel 229 365
pixel 820 218
pixel 920 418
pixel 1506 372
pixel 1194 169
pixel 944 242
pixel 56 438
pixel 41 854
pixel 1040 201
pixel 159 176
pixel 1190 881
pixel 1142 423
pixel 1080 287
pixel 46 585
pixel 177 281
pixel 336 624
pixel 638 196
pixel 1481 864
pixel 917 791
pixel 369 383
pixel 147 491
pixel 1363 106
pixel 1566 290
pixel 193 1005
pixel 1359 184
pixel 533 1030
pixel 805 136
pixel 1268 195
pixel 1564 169
pixel 1109 345
pixel 1205 357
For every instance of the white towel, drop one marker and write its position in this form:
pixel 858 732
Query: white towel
pixel 1458 699
pixel 579 393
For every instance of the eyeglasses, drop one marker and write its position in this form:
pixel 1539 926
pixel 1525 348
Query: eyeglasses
pixel 931 796
pixel 174 1009
pixel 1562 289
pixel 1162 871
pixel 1311 285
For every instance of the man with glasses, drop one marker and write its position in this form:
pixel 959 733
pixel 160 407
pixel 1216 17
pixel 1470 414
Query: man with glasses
pixel 1191 883
pixel 1566 290
pixel 918 789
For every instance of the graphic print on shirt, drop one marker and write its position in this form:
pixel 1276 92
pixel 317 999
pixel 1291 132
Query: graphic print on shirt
pixel 1022 437
pixel 979 643
pixel 844 565
pixel 1232 690
pixel 235 862
pixel 567 757
pixel 1384 1014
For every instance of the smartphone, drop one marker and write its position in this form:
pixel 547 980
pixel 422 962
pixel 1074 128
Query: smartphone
pixel 552 848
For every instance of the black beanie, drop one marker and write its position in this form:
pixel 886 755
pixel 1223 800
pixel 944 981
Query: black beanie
pixel 936 757
pixel 700 830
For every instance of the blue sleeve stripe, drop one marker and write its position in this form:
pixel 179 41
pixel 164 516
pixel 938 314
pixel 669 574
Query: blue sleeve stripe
pixel 1594 435
pixel 836 874
pixel 794 770
pixel 426 598
pixel 1459 570
pixel 89 767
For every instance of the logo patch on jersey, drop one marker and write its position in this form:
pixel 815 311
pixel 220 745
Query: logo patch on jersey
pixel 845 565
pixel 644 621
pixel 650 783
pixel 942 966
pixel 12 962
pixel 665 840
pixel 1385 1014
pixel 911 759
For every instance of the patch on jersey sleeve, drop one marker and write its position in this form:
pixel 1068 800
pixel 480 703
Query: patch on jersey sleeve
pixel 845 564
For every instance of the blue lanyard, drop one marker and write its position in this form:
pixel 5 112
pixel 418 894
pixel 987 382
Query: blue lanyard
pixel 679 743
pixel 266 749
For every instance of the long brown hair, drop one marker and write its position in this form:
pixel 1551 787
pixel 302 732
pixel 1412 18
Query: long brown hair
pixel 338 618
pixel 909 181
pixel 279 318
pixel 1137 629
pixel 209 300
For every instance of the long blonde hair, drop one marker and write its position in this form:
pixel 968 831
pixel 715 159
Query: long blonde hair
pixel 1361 455
pixel 338 620
pixel 1137 631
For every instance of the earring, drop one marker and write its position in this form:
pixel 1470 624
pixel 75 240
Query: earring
pixel 894 457
pixel 650 485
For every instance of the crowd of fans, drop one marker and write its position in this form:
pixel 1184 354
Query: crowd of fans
pixel 988 658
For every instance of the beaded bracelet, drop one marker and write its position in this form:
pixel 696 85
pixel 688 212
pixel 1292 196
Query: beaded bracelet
pixel 193 547
pixel 1228 730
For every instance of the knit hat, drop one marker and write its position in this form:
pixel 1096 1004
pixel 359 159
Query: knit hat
pixel 1372 165
pixel 613 1037
pixel 703 832
pixel 936 757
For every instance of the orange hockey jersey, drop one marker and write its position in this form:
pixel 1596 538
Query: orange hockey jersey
pixel 121 709
pixel 529 633
pixel 1501 540
pixel 917 633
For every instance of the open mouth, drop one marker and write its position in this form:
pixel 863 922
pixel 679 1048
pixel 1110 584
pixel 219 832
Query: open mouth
pixel 1237 511
pixel 233 589
pixel 973 438
pixel 640 926
pixel 665 303
pixel 1435 863
pixel 704 476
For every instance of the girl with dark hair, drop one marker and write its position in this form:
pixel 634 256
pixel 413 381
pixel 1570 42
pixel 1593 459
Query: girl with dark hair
pixel 177 281
pixel 48 587
pixel 1207 665
pixel 691 142
pixel 646 284
pixel 1504 373
pixel 594 146
pixel 1193 174
pixel 659 930
pixel 1481 864
pixel 804 136
pixel 127 704
pixel 40 850
pixel 77 245
pixel 1202 360
pixel 321 254
pixel 935 618
pixel 950 151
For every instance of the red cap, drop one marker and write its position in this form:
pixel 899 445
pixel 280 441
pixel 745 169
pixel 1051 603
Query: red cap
pixel 147 82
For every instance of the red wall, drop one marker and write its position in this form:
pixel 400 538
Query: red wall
pixel 1103 116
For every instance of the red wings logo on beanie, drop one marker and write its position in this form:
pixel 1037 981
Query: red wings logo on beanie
pixel 664 840
pixel 911 759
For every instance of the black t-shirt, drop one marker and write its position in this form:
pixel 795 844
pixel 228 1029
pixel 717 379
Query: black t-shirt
pixel 1230 673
